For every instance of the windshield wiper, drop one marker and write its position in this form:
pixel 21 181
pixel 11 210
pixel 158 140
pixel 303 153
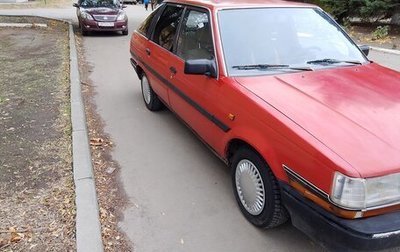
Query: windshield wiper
pixel 271 66
pixel 333 61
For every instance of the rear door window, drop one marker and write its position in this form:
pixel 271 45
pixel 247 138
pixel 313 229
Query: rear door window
pixel 145 26
pixel 167 26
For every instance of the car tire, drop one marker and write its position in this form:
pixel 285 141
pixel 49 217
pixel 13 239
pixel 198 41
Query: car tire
pixel 256 190
pixel 125 32
pixel 83 31
pixel 150 98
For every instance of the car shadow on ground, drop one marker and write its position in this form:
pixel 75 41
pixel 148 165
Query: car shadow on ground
pixel 104 34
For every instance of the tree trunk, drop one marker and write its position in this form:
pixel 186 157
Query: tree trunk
pixel 396 16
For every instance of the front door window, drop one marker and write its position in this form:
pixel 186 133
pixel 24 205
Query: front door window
pixel 195 40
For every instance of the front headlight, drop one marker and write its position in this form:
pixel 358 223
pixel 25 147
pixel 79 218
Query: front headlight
pixel 121 16
pixel 359 194
pixel 86 15
pixel 383 190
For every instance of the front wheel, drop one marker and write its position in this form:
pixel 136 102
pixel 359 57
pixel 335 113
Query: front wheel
pixel 83 31
pixel 150 98
pixel 256 190
pixel 125 32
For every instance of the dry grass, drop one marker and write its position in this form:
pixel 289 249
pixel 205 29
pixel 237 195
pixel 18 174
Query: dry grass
pixel 36 187
pixel 364 34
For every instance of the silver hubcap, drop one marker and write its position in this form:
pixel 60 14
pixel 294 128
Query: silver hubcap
pixel 146 91
pixel 250 187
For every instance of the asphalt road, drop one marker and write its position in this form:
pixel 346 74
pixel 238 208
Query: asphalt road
pixel 180 193
pixel 385 59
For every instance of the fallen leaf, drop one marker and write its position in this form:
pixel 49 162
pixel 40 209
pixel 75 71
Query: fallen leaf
pixel 16 237
pixel 110 170
pixel 96 141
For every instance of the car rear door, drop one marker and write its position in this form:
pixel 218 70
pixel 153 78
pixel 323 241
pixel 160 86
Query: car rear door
pixel 159 50
pixel 141 48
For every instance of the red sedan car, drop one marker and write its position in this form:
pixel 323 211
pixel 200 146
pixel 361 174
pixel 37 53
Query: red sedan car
pixel 308 125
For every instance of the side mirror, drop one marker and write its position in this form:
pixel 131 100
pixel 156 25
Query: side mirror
pixel 75 5
pixel 201 67
pixel 364 49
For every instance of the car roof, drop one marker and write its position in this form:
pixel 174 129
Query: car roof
pixel 220 4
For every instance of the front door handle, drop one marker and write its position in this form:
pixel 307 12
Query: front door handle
pixel 148 51
pixel 173 70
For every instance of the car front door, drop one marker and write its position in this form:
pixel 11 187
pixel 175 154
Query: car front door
pixel 197 98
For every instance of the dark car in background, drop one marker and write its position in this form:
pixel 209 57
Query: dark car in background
pixel 101 15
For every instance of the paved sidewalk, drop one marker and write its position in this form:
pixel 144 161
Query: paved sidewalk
pixel 385 57
pixel 68 14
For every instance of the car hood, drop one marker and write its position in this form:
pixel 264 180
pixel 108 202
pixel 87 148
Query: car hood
pixel 103 10
pixel 354 111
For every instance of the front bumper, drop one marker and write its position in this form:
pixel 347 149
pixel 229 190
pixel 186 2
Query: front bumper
pixel 374 233
pixel 92 25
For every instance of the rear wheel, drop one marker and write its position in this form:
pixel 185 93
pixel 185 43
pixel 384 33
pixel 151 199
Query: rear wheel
pixel 256 190
pixel 125 32
pixel 150 98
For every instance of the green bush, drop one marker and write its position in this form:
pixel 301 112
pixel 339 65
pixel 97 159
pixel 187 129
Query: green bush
pixel 381 32
pixel 365 9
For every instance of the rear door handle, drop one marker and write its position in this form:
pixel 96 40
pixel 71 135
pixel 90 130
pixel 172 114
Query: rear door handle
pixel 148 51
pixel 173 70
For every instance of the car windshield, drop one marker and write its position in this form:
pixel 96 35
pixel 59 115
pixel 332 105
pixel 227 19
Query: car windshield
pixel 100 3
pixel 282 40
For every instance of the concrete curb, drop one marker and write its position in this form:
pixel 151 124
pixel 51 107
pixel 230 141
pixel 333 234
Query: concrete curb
pixel 88 227
pixel 23 25
pixel 384 50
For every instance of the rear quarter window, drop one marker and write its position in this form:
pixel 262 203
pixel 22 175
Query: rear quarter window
pixel 145 26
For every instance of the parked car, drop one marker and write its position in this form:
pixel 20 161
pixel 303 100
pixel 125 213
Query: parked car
pixel 101 15
pixel 308 125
